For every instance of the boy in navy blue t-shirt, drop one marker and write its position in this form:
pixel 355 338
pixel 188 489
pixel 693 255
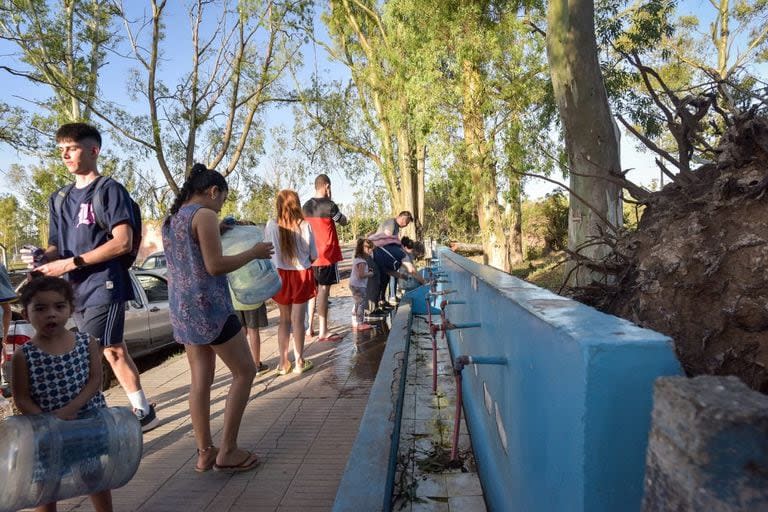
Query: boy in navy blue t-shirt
pixel 89 255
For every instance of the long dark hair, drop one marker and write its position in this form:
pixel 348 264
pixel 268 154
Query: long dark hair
pixel 362 244
pixel 199 179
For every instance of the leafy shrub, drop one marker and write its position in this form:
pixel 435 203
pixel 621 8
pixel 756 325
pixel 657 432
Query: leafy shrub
pixel 545 225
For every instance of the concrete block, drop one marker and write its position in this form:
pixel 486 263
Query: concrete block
pixel 708 446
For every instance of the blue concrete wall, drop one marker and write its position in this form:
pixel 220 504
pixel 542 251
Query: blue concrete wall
pixel 564 426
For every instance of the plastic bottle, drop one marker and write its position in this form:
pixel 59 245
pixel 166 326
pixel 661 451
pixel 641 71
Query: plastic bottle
pixel 45 459
pixel 256 281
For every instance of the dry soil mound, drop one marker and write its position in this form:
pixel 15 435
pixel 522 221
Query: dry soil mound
pixel 699 262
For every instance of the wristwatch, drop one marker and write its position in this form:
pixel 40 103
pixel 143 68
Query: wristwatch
pixel 78 261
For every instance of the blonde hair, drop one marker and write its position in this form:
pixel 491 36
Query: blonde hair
pixel 289 218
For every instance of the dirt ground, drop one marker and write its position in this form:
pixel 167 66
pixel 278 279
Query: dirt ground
pixel 698 264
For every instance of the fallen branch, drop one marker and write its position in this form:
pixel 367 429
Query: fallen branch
pixel 466 249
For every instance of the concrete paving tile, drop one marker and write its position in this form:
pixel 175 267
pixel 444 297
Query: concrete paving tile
pixel 303 428
pixel 431 485
pixel 463 484
pixel 430 505
pixel 467 504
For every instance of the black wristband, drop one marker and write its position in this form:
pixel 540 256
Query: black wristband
pixel 78 261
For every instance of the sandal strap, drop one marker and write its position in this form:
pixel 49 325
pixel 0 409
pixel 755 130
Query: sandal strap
pixel 206 449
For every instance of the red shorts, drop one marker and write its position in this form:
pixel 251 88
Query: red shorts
pixel 298 286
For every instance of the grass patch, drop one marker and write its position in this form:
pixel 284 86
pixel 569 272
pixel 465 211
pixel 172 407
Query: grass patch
pixel 547 272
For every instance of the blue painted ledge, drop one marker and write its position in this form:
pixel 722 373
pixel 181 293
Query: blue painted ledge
pixel 366 484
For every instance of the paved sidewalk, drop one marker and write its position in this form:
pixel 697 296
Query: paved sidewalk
pixel 303 427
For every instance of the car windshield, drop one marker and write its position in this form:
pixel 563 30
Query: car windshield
pixel 154 261
pixel 155 288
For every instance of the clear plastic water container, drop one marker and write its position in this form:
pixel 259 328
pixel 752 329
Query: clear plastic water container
pixel 257 280
pixel 45 459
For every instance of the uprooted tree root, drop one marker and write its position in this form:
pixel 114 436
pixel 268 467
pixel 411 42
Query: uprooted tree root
pixel 696 269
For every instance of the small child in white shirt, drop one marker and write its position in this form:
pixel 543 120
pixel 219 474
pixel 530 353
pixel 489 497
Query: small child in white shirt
pixel 358 281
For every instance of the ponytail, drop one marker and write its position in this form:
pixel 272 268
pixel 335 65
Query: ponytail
pixel 199 179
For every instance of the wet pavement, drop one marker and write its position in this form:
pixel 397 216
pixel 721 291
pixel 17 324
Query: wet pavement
pixel 302 426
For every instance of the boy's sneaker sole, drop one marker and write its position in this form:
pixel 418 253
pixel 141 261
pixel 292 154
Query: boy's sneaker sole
pixel 148 421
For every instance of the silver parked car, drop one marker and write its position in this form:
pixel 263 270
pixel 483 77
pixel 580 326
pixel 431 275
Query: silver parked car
pixel 147 323
pixel 155 262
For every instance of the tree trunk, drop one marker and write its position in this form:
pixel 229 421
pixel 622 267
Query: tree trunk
pixel 591 137
pixel 482 169
pixel 421 165
pixel 514 220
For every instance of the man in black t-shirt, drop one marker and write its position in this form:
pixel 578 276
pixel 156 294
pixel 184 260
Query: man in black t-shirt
pixel 89 256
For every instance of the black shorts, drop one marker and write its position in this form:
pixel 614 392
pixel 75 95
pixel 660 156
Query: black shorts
pixel 254 318
pixel 105 323
pixel 327 275
pixel 231 327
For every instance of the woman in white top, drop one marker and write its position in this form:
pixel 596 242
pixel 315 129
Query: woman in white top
pixel 295 250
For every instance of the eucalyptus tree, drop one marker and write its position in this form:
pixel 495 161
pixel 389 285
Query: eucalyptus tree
pixel 14 231
pixel 686 82
pixel 62 45
pixel 207 108
pixel 484 78
pixel 591 135
pixel 240 52
pixel 372 117
pixel 13 132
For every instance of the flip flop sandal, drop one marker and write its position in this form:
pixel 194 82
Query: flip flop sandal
pixel 308 365
pixel 283 371
pixel 249 463
pixel 207 467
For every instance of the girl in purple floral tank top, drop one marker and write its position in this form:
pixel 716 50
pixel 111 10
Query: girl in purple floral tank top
pixel 200 303
pixel 202 315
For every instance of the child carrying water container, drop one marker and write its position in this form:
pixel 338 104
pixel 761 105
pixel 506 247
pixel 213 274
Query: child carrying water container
pixel 358 281
pixel 57 371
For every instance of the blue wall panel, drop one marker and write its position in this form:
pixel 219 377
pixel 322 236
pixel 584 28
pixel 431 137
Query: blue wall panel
pixel 563 426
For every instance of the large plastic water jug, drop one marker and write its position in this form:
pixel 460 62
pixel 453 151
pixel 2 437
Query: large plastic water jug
pixel 257 280
pixel 45 459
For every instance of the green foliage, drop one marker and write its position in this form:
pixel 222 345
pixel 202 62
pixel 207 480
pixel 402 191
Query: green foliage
pixel 632 213
pixel 62 45
pixel 546 271
pixel 14 230
pixel 709 54
pixel 450 208
pixel 259 203
pixel 359 226
pixel 364 214
pixel 12 119
pixel 545 224
pixel 35 184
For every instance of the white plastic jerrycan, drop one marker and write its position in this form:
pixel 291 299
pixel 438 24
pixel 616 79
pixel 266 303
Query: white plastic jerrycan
pixel 257 280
